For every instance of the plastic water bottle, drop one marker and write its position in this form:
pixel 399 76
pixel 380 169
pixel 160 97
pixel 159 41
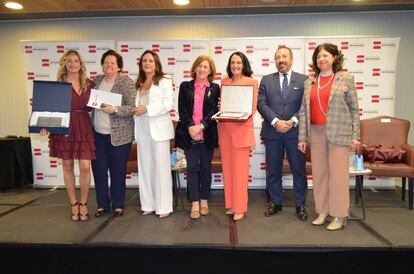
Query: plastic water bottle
pixel 359 162
pixel 173 157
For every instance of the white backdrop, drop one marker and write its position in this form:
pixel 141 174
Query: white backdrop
pixel 372 60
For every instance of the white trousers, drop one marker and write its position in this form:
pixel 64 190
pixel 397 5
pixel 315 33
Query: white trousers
pixel 154 171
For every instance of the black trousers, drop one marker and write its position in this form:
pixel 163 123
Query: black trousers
pixel 198 158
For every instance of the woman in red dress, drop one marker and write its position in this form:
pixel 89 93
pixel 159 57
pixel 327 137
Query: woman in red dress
pixel 79 143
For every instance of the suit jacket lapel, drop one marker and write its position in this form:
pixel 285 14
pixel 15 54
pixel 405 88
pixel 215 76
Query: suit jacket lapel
pixel 291 84
pixel 191 91
pixel 335 84
pixel 276 81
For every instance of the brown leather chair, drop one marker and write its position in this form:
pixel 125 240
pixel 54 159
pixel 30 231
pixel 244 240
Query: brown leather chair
pixel 390 132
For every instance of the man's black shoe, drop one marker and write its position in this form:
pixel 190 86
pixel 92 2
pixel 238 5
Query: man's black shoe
pixel 272 209
pixel 302 213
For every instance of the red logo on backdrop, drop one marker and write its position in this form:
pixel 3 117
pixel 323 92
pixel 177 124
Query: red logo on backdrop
pixel 45 63
pixel 311 72
pixel 263 166
pixel 171 61
pixel 37 152
pixel 218 76
pixel 361 112
pixel 138 60
pixel 30 101
pixel 360 58
pixel 250 153
pixel 156 48
pixel 125 72
pixel 128 176
pixel 218 49
pixel 124 48
pixel 186 74
pixel 250 178
pixel 53 163
pixel 376 72
pixel 174 86
pixel 265 62
pixel 359 85
pixel 217 178
pixel 311 45
pixel 262 141
pixel 372 178
pixel 172 113
pixel 249 48
pixel 30 76
pixel 375 99
pixel 344 70
pixel 376 45
pixel 60 48
pixel 344 45
pixel 186 48
pixel 92 74
pixel 39 176
pixel 28 49
pixel 92 48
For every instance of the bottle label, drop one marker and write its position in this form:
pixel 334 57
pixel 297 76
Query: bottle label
pixel 359 163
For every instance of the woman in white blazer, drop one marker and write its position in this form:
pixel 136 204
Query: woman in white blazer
pixel 153 131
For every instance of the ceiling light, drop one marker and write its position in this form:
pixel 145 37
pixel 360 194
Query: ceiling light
pixel 13 5
pixel 181 2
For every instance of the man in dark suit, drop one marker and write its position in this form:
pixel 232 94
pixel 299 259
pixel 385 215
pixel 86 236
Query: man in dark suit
pixel 280 97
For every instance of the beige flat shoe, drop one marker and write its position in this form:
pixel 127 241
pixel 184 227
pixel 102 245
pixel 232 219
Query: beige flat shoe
pixel 337 223
pixel 146 213
pixel 321 220
pixel 204 211
pixel 229 211
pixel 195 214
pixel 162 216
pixel 238 216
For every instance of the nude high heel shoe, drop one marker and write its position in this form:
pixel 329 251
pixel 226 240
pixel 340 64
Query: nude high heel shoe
pixel 337 223
pixel 320 220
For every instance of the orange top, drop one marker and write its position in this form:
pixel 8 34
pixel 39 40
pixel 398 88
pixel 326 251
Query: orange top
pixel 319 103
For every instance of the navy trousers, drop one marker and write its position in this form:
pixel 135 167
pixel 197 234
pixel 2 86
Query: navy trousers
pixel 113 159
pixel 275 152
pixel 198 171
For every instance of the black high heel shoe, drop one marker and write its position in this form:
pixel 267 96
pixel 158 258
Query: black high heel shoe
pixel 74 216
pixel 83 217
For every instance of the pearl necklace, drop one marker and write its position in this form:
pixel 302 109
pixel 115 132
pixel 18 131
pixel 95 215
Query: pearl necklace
pixel 319 88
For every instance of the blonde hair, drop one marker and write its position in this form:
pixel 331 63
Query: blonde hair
pixel 63 73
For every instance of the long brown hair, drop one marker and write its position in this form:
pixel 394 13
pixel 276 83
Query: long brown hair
pixel 158 70
pixel 63 73
pixel 332 49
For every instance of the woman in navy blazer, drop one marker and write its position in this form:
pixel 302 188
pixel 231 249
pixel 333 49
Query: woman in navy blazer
pixel 196 133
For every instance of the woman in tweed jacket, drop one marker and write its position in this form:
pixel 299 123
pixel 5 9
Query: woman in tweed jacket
pixel 114 133
pixel 329 122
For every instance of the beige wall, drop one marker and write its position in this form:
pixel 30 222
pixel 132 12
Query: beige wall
pixel 13 100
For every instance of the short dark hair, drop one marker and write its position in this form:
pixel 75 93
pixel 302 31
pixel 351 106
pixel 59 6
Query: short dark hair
pixel 332 49
pixel 119 60
pixel 284 47
pixel 247 70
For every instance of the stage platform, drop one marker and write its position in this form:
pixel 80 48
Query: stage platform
pixel 37 235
